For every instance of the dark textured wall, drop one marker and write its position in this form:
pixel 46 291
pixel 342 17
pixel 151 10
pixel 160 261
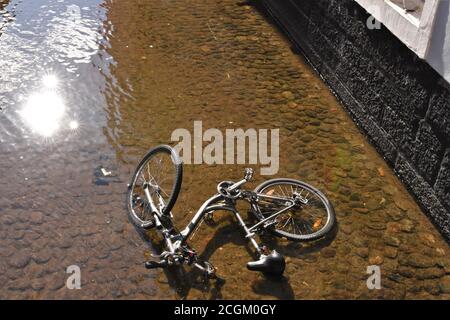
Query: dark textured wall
pixel 401 103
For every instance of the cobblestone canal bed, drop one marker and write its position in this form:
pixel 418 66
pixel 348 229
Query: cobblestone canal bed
pixel 131 72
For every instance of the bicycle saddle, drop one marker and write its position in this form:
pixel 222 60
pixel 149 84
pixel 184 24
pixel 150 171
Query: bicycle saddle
pixel 272 264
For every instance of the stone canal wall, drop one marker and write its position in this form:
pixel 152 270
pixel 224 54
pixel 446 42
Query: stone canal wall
pixel 401 103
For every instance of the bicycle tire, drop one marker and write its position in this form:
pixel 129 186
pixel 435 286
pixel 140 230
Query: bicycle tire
pixel 178 167
pixel 331 218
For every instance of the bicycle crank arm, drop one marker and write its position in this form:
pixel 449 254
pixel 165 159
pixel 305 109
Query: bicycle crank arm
pixel 156 264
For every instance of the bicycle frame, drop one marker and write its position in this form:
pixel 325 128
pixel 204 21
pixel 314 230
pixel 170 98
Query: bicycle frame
pixel 175 242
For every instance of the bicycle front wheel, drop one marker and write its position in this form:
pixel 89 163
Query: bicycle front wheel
pixel 160 171
pixel 310 218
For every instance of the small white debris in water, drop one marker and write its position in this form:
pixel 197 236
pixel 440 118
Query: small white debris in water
pixel 105 173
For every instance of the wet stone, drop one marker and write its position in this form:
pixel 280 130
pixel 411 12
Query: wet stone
pixel 375 234
pixel 36 217
pixel 19 284
pixel 292 167
pixel 288 95
pixel 430 273
pixel 396 214
pixel 147 287
pixel 20 259
pixel 444 284
pixel 391 252
pixel 375 225
pixel 37 284
pixel 406 272
pixel 307 138
pixel 362 210
pixel 373 204
pixel 65 244
pixel 41 257
pixel 432 287
pixel 391 240
pixel 7 220
pixel 57 281
pixel 428 239
pixel 401 203
pixel 376 259
pixel 395 277
pixel 362 252
pixel 328 252
pixel 407 226
pixel 358 241
pixel 346 229
pixel 345 191
pixel 419 261
pixel 355 197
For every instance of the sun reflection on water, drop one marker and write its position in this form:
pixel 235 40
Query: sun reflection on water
pixel 43 112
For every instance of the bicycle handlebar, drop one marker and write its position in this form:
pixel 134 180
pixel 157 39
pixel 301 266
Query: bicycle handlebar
pixel 248 176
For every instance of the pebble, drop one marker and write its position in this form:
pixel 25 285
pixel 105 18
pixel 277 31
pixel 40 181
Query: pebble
pixel 41 257
pixel 406 272
pixel 401 203
pixel 396 214
pixel 407 226
pixel 288 95
pixel 429 273
pixel 328 252
pixel 8 220
pixel 373 204
pixel 20 260
pixel 376 225
pixel 376 260
pixel 292 167
pixel 419 261
pixel 358 241
pixel 391 240
pixel 362 252
pixel 391 252
pixel 444 284
pixel 428 239
pixel 432 287
pixel 36 217
pixel 362 210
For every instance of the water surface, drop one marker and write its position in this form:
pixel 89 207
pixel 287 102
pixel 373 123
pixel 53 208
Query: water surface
pixel 91 84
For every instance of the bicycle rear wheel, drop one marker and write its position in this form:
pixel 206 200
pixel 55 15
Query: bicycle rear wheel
pixel 311 218
pixel 160 171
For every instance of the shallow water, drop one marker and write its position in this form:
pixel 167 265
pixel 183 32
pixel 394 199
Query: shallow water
pixel 131 72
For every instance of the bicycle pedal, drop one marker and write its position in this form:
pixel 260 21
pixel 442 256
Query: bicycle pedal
pixel 155 264
pixel 210 270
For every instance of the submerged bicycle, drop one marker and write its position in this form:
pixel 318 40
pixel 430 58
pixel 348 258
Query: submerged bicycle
pixel 285 207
